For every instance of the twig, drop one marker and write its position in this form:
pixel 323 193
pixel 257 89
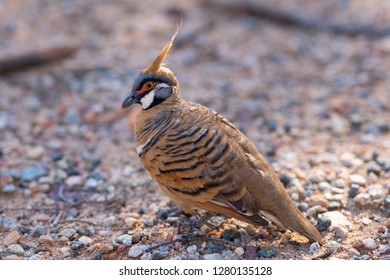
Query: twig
pixel 190 237
pixel 67 200
pixel 29 209
pixel 291 18
pixel 36 57
pixel 322 256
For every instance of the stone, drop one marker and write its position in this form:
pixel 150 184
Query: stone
pixel 340 223
pixel 135 251
pixel 333 246
pixel 9 188
pixel 353 252
pixel 146 256
pixel 109 221
pixel 239 251
pixel 38 231
pixel 339 183
pixel 131 222
pixel 340 231
pixel 15 249
pixel 314 248
pixel 11 238
pixel 369 243
pixel 125 239
pixel 251 229
pixel 33 173
pixel 214 256
pixel 357 244
pixel 323 223
pixel 386 202
pixel 358 179
pixel 35 152
pixel 373 167
pixel 74 181
pixel 194 256
pixel 192 249
pixel 375 191
pixel 68 232
pixel 362 200
pixel 85 240
pixel 46 239
pixel 215 247
pixel 76 245
pixel 105 248
pixel 353 190
pixel 91 183
pixel 267 252
pixel 334 205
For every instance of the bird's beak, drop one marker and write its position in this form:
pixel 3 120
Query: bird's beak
pixel 130 100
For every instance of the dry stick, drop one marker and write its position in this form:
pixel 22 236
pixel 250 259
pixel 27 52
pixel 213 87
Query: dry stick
pixel 188 238
pixel 297 19
pixel 36 57
pixel 77 221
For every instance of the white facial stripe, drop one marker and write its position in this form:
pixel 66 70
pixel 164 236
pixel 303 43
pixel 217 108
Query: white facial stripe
pixel 147 100
pixel 162 85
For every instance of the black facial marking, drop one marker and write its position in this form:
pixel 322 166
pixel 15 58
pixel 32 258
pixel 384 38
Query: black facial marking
pixel 140 79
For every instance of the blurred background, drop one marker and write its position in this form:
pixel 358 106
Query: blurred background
pixel 307 81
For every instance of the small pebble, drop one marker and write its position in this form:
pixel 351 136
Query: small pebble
pixel 339 183
pixel 194 256
pixel 353 252
pixel 46 239
pixel 135 251
pixel 230 234
pixel 131 222
pixel 125 239
pixel 192 249
pixel 214 256
pixel 386 202
pixel 16 249
pixel 85 240
pixel 239 251
pixel 68 232
pixel 323 223
pixel 362 199
pixel 340 231
pixel 91 183
pixel 35 257
pixel 334 205
pixel 35 152
pixel 9 188
pixel 217 220
pixel 267 252
pixel 76 245
pixel 357 244
pixel 332 246
pixel 11 238
pixel 215 247
pixel 109 221
pixel 105 248
pixel 374 167
pixel 369 243
pixel 33 173
pixel 146 256
pixel 25 230
pixel 353 190
pixel 358 179
pixel 74 181
pixel 314 248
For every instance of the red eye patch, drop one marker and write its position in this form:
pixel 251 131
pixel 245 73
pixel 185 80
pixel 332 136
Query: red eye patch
pixel 147 86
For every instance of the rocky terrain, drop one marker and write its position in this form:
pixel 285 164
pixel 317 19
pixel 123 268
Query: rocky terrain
pixel 314 102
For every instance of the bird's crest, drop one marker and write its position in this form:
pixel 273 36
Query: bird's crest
pixel 158 62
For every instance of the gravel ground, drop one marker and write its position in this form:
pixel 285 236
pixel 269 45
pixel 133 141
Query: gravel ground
pixel 316 104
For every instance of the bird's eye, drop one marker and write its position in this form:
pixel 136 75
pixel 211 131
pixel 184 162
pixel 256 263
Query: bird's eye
pixel 149 85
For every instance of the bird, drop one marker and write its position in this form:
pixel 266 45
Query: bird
pixel 200 160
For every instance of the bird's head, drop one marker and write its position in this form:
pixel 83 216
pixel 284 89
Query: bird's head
pixel 155 84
